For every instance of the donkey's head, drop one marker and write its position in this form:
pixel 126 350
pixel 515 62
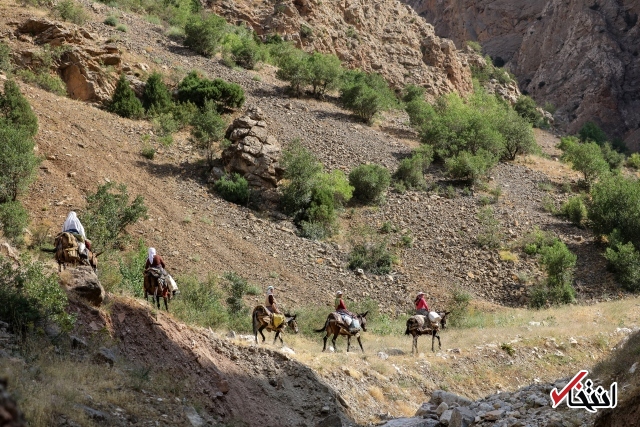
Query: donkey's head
pixel 291 322
pixel 362 318
pixel 443 320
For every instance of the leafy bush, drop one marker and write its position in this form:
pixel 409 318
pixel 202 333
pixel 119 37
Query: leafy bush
pixel 366 94
pixel 373 257
pixel 208 128
pixel 592 132
pixel 5 58
pixel 13 219
pixel 634 161
pixel 535 241
pixel 369 182
pixel 624 261
pixel 325 72
pixel 30 297
pixel 516 133
pixel 204 33
pixel 470 167
pixel 585 158
pixel 148 151
pixel 18 162
pixel 475 46
pixel 234 190
pixel 44 80
pixel 122 28
pixel 131 281
pixel 108 213
pixel 293 67
pixel 236 286
pixel 199 90
pixel 410 171
pixel 15 109
pixel 575 210
pixel 614 206
pixel 311 195
pixel 111 21
pixel 559 264
pixel 490 235
pixel 247 53
pixel 200 303
pixel 68 10
pixel 459 307
pixel 156 98
pixel 124 102
pixel 526 107
pixel 613 158
pixel 412 93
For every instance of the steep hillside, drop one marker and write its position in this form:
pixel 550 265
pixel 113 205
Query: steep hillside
pixel 579 56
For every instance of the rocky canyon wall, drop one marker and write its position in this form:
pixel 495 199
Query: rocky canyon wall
pixel 581 56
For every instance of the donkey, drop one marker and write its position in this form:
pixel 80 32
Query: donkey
pixel 263 320
pixel 66 252
pixel 156 288
pixel 416 327
pixel 335 326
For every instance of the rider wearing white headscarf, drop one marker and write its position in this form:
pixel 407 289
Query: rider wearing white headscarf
pixel 155 261
pixel 73 225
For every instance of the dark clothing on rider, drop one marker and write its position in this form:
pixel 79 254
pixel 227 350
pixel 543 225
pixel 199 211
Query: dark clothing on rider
pixel 157 262
pixel 271 304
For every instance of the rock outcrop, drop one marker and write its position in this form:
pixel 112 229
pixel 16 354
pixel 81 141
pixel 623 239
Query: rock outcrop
pixel 384 36
pixel 83 282
pixel 581 57
pixel 83 61
pixel 253 152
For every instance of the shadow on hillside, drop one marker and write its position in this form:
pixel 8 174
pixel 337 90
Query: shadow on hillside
pixel 397 132
pixel 336 115
pixel 230 382
pixel 194 172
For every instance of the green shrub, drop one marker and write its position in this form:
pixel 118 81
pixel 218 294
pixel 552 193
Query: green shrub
pixel 199 90
pixel 366 94
pixel 293 67
pixel 148 151
pixel 236 286
pixel 18 163
pixel 470 167
pixel 108 213
pixel 369 182
pixel 527 109
pixel 5 58
pixel 459 307
pixel 634 161
pixel 15 109
pixel 44 80
pixel 613 158
pixel 534 242
pixel 517 135
pixel 325 72
pixel 156 98
pixel 130 266
pixel 166 124
pixel 124 102
pixel 410 172
pixel 234 189
pixel 592 132
pixel 301 169
pixel 490 235
pixel 122 28
pixel 200 303
pixel 183 113
pixel 111 21
pixel 585 158
pixel 68 10
pixel 412 93
pixel 208 128
pixel 614 206
pixel 420 112
pixel 559 263
pixel 204 34
pixel 624 261
pixel 575 210
pixel 373 257
pixel 31 297
pixel 248 53
pixel 13 220
pixel 475 46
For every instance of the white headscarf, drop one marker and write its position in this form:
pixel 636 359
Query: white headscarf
pixel 152 253
pixel 73 223
pixel 270 290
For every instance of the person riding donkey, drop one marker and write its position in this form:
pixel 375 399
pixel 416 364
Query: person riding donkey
pixel 347 317
pixel 272 306
pixel 421 305
pixel 155 262
pixel 73 226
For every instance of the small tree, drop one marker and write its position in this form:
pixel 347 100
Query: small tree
pixel 559 263
pixel 156 98
pixel 204 33
pixel 366 94
pixel 369 182
pixel 517 135
pixel 325 71
pixel 197 90
pixel 587 159
pixel 624 261
pixel 16 109
pixel 614 206
pixel 234 189
pixel 527 109
pixel 13 220
pixel 108 213
pixel 208 128
pixel 575 210
pixel 18 162
pixel 592 132
pixel 124 102
pixel 294 68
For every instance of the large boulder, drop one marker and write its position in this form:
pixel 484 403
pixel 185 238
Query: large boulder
pixel 83 282
pixel 253 152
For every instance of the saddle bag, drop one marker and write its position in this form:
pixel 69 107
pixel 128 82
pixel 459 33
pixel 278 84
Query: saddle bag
pixel 278 319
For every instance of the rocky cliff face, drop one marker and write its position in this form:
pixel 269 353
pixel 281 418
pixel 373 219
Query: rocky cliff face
pixel 580 56
pixel 384 36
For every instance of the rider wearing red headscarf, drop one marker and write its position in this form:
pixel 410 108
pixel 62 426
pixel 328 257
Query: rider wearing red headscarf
pixel 421 304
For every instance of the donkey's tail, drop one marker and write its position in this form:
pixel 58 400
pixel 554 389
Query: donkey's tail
pixel 323 328
pixel 410 323
pixel 407 332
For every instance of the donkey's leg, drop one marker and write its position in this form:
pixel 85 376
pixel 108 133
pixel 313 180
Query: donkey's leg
pixel 439 344
pixel 433 339
pixel 324 347
pixel 333 340
pixel 279 335
pixel 348 343
pixel 360 342
pixel 261 334
pixel 276 337
pixel 166 305
pixel 414 346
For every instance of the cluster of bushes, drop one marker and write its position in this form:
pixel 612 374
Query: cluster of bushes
pixel 69 10
pixel 18 163
pixel 31 298
pixel 410 171
pixel 322 72
pixel 372 256
pixel 589 158
pixel 311 195
pixel 559 263
pixel 369 183
pixel 40 72
pixel 471 135
pixel 366 94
